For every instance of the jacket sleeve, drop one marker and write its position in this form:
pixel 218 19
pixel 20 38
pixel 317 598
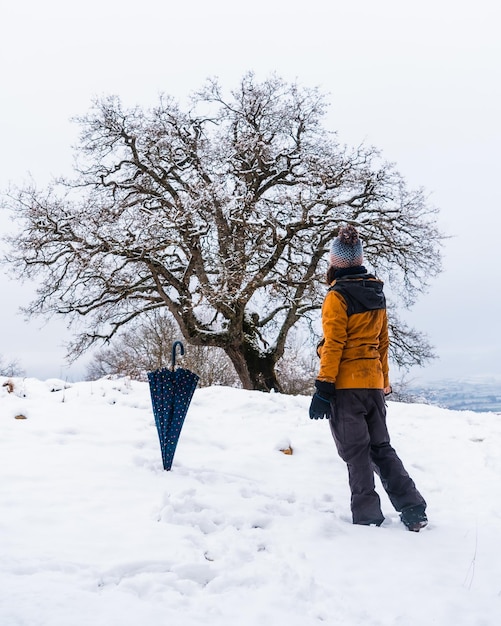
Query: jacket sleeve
pixel 383 350
pixel 334 326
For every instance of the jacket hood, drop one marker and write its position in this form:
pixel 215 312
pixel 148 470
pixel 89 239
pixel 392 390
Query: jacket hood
pixel 362 292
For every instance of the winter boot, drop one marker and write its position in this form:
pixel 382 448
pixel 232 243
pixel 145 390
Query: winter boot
pixel 414 517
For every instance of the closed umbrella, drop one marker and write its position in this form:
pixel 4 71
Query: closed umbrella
pixel 171 393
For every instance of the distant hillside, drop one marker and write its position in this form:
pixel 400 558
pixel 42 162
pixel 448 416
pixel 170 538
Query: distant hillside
pixel 473 394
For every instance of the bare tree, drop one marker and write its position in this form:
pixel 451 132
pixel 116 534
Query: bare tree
pixel 221 214
pixel 10 368
pixel 147 345
pixel 404 390
pixel 298 366
pixel 408 346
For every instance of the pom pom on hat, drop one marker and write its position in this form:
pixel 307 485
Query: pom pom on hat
pixel 346 249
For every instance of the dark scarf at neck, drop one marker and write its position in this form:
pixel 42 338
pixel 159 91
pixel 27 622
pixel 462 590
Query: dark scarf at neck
pixel 350 271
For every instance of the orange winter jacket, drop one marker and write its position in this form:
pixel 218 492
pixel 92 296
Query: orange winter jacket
pixel 354 350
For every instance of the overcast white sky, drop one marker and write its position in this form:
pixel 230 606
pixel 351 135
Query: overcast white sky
pixel 420 82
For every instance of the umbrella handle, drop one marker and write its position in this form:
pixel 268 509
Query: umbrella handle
pixel 174 346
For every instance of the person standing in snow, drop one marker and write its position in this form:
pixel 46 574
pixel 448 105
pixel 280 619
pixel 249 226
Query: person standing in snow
pixel 352 383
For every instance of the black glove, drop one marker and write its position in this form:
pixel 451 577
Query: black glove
pixel 320 406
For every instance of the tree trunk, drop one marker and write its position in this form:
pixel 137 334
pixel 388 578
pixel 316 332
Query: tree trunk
pixel 262 373
pixel 236 356
pixel 255 369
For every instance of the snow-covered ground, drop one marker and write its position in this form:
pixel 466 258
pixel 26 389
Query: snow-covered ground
pixel 94 532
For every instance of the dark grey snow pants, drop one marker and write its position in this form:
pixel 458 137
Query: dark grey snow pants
pixel 358 425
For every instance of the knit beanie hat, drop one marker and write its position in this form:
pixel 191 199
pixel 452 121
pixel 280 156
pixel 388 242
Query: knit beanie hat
pixel 346 249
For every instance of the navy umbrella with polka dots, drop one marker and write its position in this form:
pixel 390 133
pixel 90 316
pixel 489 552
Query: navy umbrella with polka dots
pixel 171 393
